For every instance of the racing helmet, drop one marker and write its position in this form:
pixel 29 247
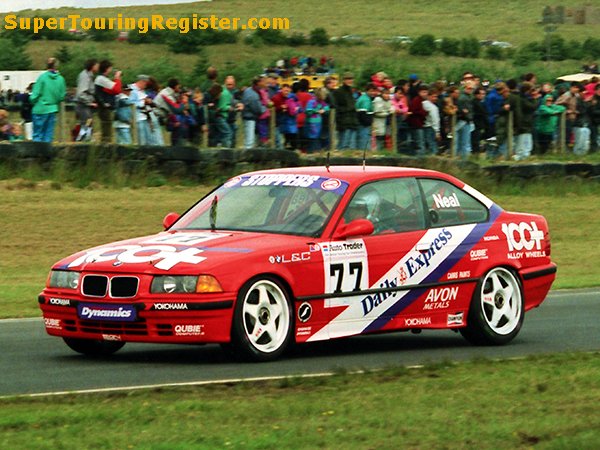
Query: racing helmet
pixel 364 205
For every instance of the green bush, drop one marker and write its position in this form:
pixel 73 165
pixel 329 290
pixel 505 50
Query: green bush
pixel 319 37
pixel 424 45
pixel 102 35
pixel 269 37
pixel 470 47
pixel 161 68
pixel 591 47
pixel 296 40
pixel 450 47
pixel 153 36
pixel 494 52
pixel 528 53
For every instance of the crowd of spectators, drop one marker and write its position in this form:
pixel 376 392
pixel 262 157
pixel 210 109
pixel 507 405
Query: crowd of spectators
pixel 462 118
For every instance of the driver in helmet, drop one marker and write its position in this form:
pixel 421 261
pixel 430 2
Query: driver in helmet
pixel 364 205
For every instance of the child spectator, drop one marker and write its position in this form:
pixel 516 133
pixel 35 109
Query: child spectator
pixel 123 119
pixel 316 108
pixel 382 110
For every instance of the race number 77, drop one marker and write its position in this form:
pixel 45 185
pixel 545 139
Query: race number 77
pixel 337 271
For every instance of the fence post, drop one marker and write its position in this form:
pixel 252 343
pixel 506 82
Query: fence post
pixel 332 130
pixel 562 133
pixel 134 126
pixel 394 132
pixel 272 126
pixel 204 139
pixel 510 136
pixel 453 140
pixel 62 119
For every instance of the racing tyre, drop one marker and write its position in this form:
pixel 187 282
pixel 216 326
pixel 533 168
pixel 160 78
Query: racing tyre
pixel 262 320
pixel 496 313
pixel 93 347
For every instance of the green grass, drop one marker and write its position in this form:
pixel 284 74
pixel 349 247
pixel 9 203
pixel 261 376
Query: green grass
pixel 42 224
pixel 550 402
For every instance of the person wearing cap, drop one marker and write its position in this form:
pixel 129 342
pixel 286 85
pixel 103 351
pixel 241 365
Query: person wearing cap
pixel 48 92
pixel 346 118
pixel 122 122
pixel 140 99
pixel 106 92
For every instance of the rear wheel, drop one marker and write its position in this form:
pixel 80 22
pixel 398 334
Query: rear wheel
pixel 262 323
pixel 496 313
pixel 93 347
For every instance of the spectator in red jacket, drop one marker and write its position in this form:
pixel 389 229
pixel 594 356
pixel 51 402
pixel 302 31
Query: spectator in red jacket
pixel 416 119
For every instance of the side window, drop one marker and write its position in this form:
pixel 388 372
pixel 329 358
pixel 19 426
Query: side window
pixel 450 205
pixel 392 205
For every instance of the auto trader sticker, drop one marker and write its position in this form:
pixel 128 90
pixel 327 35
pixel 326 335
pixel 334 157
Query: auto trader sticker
pixel 346 269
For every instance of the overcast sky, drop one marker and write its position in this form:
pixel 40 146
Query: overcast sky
pixel 18 5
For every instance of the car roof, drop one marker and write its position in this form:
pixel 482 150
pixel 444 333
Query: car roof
pixel 358 174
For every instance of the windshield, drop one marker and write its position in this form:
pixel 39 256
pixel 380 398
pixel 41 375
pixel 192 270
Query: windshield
pixel 271 203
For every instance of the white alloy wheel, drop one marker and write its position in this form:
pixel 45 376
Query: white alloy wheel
pixel 497 309
pixel 265 317
pixel 501 301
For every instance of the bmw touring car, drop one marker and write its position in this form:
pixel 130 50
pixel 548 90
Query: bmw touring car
pixel 299 255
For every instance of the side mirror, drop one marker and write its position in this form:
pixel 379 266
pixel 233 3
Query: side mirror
pixel 358 227
pixel 170 219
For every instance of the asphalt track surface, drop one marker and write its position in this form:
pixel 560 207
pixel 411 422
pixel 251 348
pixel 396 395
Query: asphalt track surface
pixel 34 363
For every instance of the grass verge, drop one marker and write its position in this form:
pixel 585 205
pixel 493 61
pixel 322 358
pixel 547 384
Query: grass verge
pixel 546 402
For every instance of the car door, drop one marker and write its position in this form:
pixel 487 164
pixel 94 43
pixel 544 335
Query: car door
pixel 373 265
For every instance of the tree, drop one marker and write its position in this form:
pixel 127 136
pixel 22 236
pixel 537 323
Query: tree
pixel 13 57
pixel 424 45
pixel 64 55
pixel 319 37
pixel 200 67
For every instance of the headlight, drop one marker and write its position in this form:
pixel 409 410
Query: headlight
pixel 63 279
pixel 185 284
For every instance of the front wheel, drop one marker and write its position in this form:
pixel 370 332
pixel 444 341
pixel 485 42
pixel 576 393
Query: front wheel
pixel 496 313
pixel 93 347
pixel 262 323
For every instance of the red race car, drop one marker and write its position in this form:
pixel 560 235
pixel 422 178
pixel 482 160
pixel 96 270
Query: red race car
pixel 307 254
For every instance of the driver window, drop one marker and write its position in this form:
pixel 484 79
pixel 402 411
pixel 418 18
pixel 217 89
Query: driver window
pixel 392 206
pixel 450 205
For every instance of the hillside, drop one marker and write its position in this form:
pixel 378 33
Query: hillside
pixel 374 22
